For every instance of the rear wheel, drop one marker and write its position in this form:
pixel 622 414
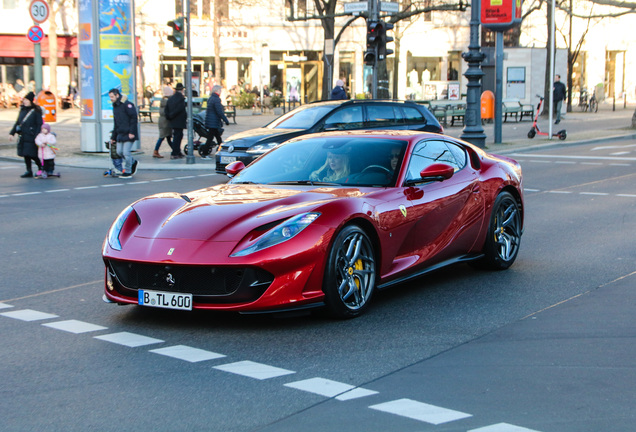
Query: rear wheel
pixel 350 273
pixel 593 105
pixel 504 233
pixel 563 134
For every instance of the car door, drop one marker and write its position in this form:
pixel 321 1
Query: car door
pixel 447 214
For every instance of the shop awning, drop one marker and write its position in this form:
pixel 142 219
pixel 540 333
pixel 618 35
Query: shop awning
pixel 20 46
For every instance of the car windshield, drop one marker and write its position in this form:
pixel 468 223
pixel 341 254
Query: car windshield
pixel 332 160
pixel 303 117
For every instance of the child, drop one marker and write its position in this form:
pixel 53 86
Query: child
pixel 46 150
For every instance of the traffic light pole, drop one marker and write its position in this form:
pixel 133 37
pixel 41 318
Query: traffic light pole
pixel 190 159
pixel 374 16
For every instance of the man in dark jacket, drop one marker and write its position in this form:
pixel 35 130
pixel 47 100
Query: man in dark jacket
pixel 339 92
pixel 558 95
pixel 28 126
pixel 177 115
pixel 125 132
pixel 214 114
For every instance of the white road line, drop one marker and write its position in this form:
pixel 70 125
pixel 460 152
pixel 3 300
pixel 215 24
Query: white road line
pixel 26 193
pixel 57 190
pixel 131 340
pixel 626 195
pixel 86 187
pixel 8 167
pixel 189 354
pixel 620 164
pixel 28 315
pixel 139 182
pixel 329 388
pixel 591 163
pixel 254 370
pixel 540 161
pixel 559 192
pixel 502 427
pixel 531 190
pixel 5 306
pixel 206 175
pixel 532 155
pixel 184 177
pixel 420 411
pixel 74 326
pixel 593 193
pixel 565 163
pixel 620 153
pixel 112 185
pixel 161 180
pixel 5 196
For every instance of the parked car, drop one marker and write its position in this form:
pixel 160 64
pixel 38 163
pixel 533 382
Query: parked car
pixel 321 220
pixel 322 117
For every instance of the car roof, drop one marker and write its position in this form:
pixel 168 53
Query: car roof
pixel 363 101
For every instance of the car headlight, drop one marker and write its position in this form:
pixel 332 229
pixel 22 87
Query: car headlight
pixel 262 148
pixel 115 229
pixel 281 233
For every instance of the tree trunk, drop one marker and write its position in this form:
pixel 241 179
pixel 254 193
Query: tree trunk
pixel 217 41
pixel 328 25
pixel 548 65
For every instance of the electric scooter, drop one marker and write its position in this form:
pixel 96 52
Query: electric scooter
pixel 562 134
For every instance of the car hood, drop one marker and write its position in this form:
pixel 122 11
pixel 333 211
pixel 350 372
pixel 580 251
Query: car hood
pixel 250 137
pixel 228 212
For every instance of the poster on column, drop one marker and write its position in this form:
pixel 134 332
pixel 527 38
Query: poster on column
pixel 86 59
pixel 116 51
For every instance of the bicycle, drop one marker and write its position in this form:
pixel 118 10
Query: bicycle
pixel 583 103
pixel 593 104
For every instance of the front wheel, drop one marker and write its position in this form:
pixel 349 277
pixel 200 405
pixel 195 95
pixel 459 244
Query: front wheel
pixel 562 134
pixel 504 233
pixel 532 133
pixel 593 105
pixel 350 273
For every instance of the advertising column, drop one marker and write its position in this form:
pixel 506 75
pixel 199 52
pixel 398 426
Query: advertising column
pixel 107 61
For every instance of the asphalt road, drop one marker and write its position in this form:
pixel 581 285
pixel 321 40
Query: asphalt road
pixel 546 346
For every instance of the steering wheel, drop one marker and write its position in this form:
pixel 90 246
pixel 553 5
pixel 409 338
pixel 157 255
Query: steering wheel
pixel 377 168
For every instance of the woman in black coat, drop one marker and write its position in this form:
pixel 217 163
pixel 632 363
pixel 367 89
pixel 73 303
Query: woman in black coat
pixel 215 117
pixel 28 126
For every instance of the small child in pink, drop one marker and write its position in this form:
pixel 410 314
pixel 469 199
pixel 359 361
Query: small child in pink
pixel 46 150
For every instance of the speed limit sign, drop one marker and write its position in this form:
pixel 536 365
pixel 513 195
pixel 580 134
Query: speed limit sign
pixel 39 10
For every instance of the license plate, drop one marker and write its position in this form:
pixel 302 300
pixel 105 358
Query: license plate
pixel 166 300
pixel 228 159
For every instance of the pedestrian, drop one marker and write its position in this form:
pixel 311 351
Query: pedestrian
pixel 175 112
pixel 558 95
pixel 46 141
pixel 165 131
pixel 214 115
pixel 339 92
pixel 125 131
pixel 28 126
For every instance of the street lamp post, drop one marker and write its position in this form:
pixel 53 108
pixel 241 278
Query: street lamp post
pixel 473 130
pixel 162 47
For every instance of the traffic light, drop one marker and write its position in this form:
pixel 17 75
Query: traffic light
pixel 177 37
pixel 374 29
pixel 384 39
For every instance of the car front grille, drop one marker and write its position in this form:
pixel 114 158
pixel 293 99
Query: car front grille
pixel 215 284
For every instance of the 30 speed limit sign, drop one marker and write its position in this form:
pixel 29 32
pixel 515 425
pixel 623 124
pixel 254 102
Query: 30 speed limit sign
pixel 39 10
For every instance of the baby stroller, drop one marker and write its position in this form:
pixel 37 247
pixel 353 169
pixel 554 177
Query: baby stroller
pixel 200 131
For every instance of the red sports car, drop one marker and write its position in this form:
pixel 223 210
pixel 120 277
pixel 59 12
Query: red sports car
pixel 322 220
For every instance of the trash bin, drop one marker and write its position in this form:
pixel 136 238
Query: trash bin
pixel 46 100
pixel 487 105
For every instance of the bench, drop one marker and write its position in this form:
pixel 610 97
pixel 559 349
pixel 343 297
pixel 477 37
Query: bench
pixel 515 107
pixel 230 112
pixel 153 108
pixel 448 110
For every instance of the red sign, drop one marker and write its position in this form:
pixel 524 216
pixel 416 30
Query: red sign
pixel 500 15
pixel 35 34
pixel 39 10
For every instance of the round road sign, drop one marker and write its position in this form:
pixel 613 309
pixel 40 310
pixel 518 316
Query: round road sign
pixel 39 10
pixel 35 34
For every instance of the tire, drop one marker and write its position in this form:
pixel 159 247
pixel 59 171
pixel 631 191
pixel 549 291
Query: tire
pixel 593 106
pixel 349 279
pixel 563 135
pixel 205 149
pixel 504 234
pixel 532 133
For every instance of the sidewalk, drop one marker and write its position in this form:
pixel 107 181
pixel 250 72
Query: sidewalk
pixel 581 127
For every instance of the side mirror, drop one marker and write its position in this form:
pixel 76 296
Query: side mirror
pixel 234 168
pixel 437 172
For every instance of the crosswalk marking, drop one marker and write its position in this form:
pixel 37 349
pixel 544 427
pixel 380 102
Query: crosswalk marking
pixel 329 388
pixel 420 411
pixel 28 315
pixel 5 306
pixel 74 326
pixel 254 370
pixel 189 354
pixel 131 340
pixel 502 427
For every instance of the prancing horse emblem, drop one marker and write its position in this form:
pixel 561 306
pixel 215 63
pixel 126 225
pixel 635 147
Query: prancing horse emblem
pixel 170 280
pixel 403 210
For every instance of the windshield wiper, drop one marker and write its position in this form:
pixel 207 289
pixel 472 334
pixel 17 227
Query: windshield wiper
pixel 304 182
